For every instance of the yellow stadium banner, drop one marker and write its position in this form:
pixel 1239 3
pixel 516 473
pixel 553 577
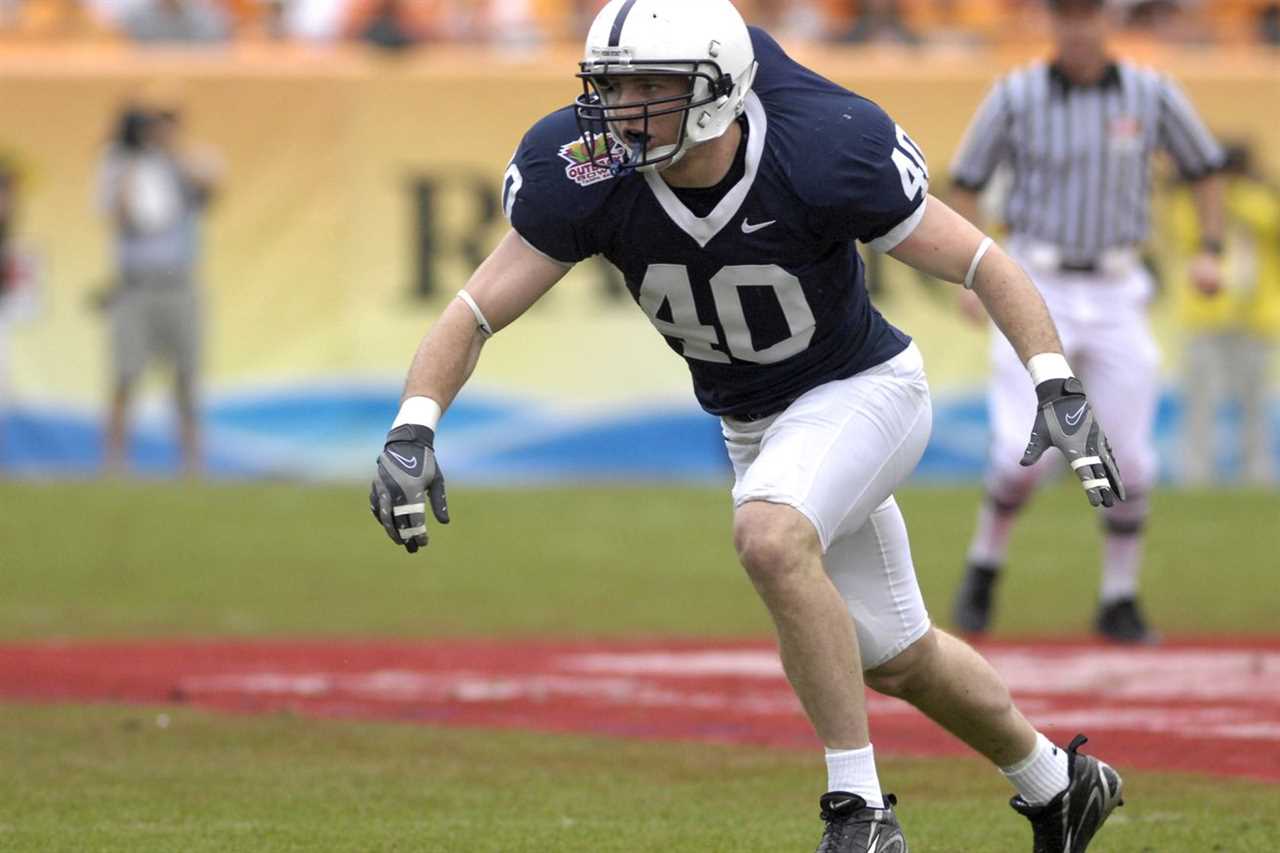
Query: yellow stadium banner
pixel 359 194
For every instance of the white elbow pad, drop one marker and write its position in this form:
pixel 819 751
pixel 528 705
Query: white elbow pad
pixel 485 328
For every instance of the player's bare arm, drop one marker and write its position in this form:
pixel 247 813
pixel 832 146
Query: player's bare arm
pixel 946 245
pixel 510 280
pixel 1206 267
pixel 965 202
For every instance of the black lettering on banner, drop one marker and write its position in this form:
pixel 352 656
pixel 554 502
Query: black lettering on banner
pixel 457 220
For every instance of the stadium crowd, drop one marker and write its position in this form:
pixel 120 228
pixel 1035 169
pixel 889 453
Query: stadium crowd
pixel 406 23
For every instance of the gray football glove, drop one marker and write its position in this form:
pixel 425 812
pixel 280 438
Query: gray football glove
pixel 408 477
pixel 1065 420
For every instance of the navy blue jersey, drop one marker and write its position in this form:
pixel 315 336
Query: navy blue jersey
pixel 765 296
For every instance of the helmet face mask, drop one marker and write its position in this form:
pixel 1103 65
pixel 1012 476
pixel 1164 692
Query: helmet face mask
pixel 705 44
pixel 599 111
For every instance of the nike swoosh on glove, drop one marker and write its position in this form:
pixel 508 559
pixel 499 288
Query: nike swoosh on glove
pixel 408 478
pixel 1065 420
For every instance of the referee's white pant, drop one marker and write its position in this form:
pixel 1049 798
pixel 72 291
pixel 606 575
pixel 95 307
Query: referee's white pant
pixel 1102 320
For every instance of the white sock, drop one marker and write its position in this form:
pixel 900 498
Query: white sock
pixel 1040 776
pixel 991 537
pixel 854 771
pixel 1122 551
pixel 1121 561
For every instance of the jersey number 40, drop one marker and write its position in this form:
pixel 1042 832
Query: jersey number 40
pixel 669 284
pixel 911 164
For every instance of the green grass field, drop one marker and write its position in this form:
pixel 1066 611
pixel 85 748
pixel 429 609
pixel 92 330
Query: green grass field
pixel 162 560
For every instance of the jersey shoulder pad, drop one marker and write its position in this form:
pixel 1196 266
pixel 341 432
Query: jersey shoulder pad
pixel 552 189
pixel 852 141
pixel 858 170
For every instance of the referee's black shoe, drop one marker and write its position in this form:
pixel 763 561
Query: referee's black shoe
pixel 855 827
pixel 971 611
pixel 1121 621
pixel 1068 822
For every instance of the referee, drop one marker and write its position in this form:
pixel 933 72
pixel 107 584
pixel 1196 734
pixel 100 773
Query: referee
pixel 1077 135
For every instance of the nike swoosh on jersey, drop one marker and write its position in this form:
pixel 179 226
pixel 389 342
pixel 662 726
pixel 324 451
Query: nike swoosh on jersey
pixel 748 228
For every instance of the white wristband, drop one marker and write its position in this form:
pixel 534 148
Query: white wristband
pixel 1048 365
pixel 977 259
pixel 418 410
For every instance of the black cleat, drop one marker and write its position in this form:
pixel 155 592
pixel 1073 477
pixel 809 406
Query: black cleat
pixel 1122 621
pixel 971 612
pixel 852 827
pixel 1067 823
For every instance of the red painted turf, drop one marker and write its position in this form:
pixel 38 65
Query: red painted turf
pixel 1208 707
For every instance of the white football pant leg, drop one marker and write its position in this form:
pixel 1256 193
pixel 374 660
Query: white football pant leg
pixel 836 454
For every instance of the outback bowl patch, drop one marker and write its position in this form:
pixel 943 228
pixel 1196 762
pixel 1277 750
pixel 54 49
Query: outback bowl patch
pixel 581 170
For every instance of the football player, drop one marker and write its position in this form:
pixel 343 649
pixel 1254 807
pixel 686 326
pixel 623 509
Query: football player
pixel 729 185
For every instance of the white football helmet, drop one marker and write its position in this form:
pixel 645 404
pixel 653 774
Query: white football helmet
pixel 705 41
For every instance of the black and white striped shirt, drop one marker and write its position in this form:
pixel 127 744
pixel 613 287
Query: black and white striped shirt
pixel 1081 155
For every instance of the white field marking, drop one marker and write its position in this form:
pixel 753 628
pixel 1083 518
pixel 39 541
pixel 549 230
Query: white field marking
pixel 1143 674
pixel 744 663
pixel 1118 673
pixel 1126 689
pixel 406 686
pixel 479 687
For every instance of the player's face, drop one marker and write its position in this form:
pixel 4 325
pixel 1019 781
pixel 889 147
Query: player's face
pixel 1080 33
pixel 630 125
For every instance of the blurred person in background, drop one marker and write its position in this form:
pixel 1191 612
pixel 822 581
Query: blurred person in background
pixel 55 19
pixel 514 24
pixel 176 21
pixel 879 21
pixel 1268 25
pixel 155 190
pixel 389 27
pixel 401 24
pixel 1175 21
pixel 1231 332
pixel 688 162
pixel 304 20
pixel 19 282
pixel 1078 134
pixel 803 19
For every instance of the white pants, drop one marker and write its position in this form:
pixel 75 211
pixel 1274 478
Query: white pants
pixel 836 454
pixel 1102 320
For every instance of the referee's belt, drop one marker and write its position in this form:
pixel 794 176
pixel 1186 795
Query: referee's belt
pixel 1048 258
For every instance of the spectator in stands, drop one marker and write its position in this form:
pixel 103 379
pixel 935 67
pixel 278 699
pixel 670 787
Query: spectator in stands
pixel 514 23
pixel 311 20
pixel 155 190
pixel 1269 25
pixel 1232 333
pixel 389 27
pixel 181 21
pixel 879 21
pixel 53 19
pixel 1177 21
pixel 18 281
